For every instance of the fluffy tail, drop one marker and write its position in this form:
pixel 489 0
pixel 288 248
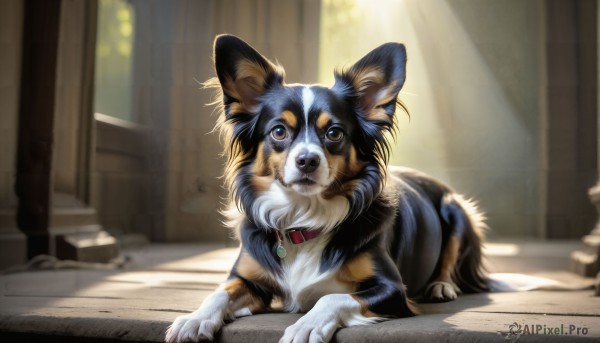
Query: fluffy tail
pixel 468 223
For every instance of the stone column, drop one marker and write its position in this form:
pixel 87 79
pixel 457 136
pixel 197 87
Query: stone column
pixel 586 261
pixel 36 118
pixel 54 147
pixel 74 226
pixel 13 243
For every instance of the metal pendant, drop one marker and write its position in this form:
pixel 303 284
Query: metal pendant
pixel 281 252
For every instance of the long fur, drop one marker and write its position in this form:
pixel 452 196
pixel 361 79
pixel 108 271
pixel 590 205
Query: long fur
pixel 312 158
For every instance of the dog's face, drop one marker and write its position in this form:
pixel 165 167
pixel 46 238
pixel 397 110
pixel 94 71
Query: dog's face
pixel 305 139
pixel 311 139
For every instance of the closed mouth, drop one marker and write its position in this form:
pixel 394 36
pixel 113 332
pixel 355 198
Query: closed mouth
pixel 305 182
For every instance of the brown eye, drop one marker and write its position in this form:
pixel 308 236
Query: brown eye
pixel 334 134
pixel 279 133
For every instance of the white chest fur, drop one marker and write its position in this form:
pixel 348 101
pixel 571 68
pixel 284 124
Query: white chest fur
pixel 302 281
pixel 283 209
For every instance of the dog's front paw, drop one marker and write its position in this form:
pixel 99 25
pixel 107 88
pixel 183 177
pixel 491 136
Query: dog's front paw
pixel 194 327
pixel 310 329
pixel 442 291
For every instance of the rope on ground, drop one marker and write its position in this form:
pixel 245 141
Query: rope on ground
pixel 48 262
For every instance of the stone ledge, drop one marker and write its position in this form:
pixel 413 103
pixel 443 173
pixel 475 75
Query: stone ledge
pixel 466 326
pixel 138 304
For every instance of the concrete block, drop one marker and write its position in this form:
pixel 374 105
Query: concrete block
pixel 87 247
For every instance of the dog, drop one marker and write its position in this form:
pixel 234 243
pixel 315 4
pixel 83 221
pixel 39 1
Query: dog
pixel 325 226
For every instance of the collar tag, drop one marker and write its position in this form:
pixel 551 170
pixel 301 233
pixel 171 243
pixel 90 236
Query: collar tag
pixel 295 236
pixel 280 250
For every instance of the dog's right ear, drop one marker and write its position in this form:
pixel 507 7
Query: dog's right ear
pixel 244 74
pixel 376 80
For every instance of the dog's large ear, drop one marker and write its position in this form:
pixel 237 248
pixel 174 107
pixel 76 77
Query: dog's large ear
pixel 244 74
pixel 375 81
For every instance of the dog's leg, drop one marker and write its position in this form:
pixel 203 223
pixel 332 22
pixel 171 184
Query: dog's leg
pixel 232 299
pixel 343 310
pixel 379 294
pixel 444 288
pixel 329 313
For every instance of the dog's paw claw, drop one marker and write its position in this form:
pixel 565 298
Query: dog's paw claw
pixel 441 291
pixel 304 334
pixel 191 328
pixel 309 330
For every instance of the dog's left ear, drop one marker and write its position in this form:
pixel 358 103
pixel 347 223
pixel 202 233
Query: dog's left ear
pixel 376 80
pixel 244 74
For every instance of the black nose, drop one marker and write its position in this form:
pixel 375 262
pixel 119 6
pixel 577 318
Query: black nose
pixel 307 162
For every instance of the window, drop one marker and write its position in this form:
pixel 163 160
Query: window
pixel 114 59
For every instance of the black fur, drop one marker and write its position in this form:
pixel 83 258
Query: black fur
pixel 385 234
pixel 404 229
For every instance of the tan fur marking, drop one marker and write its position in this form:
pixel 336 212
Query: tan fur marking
pixel 337 166
pixel 249 69
pixel 364 308
pixel 261 183
pixel 354 165
pixel 378 114
pixel 289 118
pixel 358 269
pixel 367 76
pixel 234 288
pixel 236 107
pixel 277 162
pixel 389 95
pixel 241 296
pixel 258 167
pixel 323 120
pixel 235 156
pixel 343 171
pixel 229 88
pixel 249 84
pixel 250 269
pixel 343 189
pixel 449 259
pixel 336 169
pixel 412 306
pixel 262 175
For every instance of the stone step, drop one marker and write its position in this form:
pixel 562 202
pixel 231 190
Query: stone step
pixel 591 244
pixel 584 263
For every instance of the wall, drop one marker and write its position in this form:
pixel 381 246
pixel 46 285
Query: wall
pixel 165 183
pixel 473 91
pixel 570 116
pixel 286 31
pixel 130 172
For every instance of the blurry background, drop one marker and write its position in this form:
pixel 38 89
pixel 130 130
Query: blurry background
pixel 105 131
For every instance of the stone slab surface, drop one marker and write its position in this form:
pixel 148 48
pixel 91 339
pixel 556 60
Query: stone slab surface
pixel 136 304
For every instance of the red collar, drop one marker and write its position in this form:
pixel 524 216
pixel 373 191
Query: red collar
pixel 298 236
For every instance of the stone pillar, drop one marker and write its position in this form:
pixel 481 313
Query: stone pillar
pixel 74 225
pixel 36 118
pixel 586 261
pixel 13 243
pixel 54 152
